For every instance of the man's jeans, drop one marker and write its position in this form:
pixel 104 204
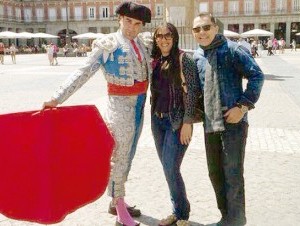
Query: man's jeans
pixel 171 152
pixel 225 153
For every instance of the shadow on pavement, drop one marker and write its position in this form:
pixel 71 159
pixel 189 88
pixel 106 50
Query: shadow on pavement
pixel 150 221
pixel 276 77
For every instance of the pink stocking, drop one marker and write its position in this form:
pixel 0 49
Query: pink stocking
pixel 123 215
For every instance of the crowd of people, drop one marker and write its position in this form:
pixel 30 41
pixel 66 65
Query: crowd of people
pixel 177 83
pixel 272 45
pixel 51 49
pixel 254 45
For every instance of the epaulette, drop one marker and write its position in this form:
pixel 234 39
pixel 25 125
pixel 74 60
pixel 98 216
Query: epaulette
pixel 108 43
pixel 146 38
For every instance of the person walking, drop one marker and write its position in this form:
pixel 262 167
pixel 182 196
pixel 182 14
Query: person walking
pixel 275 45
pixel 50 53
pixel 124 57
pixel 222 65
pixel 13 50
pixel 174 88
pixel 55 51
pixel 293 45
pixel 2 52
pixel 269 47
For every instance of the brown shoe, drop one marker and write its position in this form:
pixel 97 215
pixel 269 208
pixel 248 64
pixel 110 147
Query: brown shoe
pixel 168 221
pixel 131 210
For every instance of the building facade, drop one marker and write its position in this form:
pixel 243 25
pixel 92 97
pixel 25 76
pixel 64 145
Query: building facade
pixel 281 17
pixel 66 18
pixel 71 17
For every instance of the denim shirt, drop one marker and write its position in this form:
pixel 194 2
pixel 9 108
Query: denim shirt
pixel 234 64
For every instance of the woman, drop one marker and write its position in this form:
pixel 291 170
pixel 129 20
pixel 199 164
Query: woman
pixel 50 53
pixel 172 113
pixel 13 51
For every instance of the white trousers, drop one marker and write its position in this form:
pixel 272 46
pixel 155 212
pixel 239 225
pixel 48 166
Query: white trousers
pixel 125 116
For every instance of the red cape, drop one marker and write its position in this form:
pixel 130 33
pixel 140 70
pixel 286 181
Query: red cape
pixel 52 162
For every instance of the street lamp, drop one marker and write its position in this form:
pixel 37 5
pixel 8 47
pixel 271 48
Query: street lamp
pixel 67 17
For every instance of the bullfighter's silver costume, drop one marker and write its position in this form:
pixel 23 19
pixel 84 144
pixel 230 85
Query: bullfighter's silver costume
pixel 127 80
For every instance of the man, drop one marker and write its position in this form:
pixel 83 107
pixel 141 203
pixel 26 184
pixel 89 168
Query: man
pixel 125 60
pixel 222 65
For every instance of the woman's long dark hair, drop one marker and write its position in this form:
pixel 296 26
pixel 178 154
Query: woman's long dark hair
pixel 171 68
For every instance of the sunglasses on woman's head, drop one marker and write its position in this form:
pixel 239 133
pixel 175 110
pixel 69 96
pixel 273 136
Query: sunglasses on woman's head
pixel 204 28
pixel 167 36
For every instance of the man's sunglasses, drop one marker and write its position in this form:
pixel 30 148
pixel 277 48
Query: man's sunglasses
pixel 204 28
pixel 167 36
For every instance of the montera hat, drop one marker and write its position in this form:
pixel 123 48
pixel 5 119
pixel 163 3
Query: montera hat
pixel 135 11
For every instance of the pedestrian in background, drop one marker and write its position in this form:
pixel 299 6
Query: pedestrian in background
pixel 66 50
pixel 125 60
pixel 275 45
pixel 55 51
pixel 174 88
pixel 2 52
pixel 293 45
pixel 49 49
pixel 226 105
pixel 13 50
pixel 269 47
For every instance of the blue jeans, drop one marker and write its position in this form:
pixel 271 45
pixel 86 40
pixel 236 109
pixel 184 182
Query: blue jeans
pixel 225 152
pixel 171 152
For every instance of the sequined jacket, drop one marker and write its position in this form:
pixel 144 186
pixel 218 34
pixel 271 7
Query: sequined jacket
pixel 120 66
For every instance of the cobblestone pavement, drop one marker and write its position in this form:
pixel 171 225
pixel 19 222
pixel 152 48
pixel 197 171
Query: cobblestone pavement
pixel 272 156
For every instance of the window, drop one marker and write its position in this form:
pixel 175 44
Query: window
pixel 92 29
pixel 249 7
pixel 39 14
pixel 27 14
pixel 296 6
pixel 78 13
pixel 52 14
pixel 9 12
pixel 92 13
pixel 177 15
pixel 203 7
pixel 233 8
pixel 218 8
pixel 18 14
pixel 264 6
pixel 159 10
pixel 104 12
pixel 1 11
pixel 105 30
pixel 280 6
pixel 64 13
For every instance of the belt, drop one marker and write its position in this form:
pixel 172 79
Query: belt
pixel 136 89
pixel 161 114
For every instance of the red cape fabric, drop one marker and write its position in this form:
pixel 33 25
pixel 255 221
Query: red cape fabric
pixel 52 162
